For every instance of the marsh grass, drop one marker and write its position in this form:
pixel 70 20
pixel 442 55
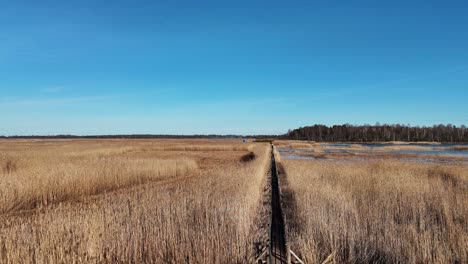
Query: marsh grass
pixel 460 148
pixel 377 211
pixel 209 217
pixel 62 179
pixel 247 157
pixel 206 148
pixel 8 164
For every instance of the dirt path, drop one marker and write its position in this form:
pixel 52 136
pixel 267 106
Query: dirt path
pixel 278 251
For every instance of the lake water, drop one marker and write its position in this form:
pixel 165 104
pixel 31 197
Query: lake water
pixel 432 149
pixel 402 151
pixel 379 145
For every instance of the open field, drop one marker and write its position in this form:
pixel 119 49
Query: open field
pixel 121 201
pixel 386 210
pixel 208 201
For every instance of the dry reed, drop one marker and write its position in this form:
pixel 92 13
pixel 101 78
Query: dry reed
pixel 64 179
pixel 207 148
pixel 208 218
pixel 377 211
pixel 459 148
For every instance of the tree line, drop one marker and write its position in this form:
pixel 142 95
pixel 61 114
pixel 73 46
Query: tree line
pixel 379 133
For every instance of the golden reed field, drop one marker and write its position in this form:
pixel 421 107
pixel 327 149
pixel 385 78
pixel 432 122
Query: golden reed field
pixel 340 209
pixel 131 201
pixel 207 201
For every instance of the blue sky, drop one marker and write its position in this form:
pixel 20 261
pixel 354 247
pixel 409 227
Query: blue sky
pixel 229 67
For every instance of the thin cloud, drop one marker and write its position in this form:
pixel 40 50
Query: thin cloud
pixel 41 102
pixel 240 102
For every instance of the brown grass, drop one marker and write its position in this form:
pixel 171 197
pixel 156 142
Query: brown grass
pixel 8 164
pixel 210 216
pixel 247 157
pixel 293 143
pixel 377 211
pixel 65 179
pixel 207 148
pixel 416 142
pixel 461 148
pixel 300 145
pixel 406 147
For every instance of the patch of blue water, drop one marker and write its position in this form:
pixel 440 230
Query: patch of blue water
pixel 402 151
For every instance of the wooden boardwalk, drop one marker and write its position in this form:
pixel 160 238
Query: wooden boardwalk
pixel 278 249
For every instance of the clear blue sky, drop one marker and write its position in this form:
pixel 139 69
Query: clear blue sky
pixel 242 67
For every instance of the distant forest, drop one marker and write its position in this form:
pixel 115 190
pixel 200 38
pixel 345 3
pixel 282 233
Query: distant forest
pixel 379 133
pixel 337 133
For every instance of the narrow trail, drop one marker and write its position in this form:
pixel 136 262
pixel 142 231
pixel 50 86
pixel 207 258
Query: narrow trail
pixel 278 249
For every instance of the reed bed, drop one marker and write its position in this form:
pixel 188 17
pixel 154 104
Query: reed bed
pixel 460 148
pixel 300 145
pixel 408 147
pixel 61 179
pixel 377 211
pixel 210 217
pixel 294 143
pixel 206 148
